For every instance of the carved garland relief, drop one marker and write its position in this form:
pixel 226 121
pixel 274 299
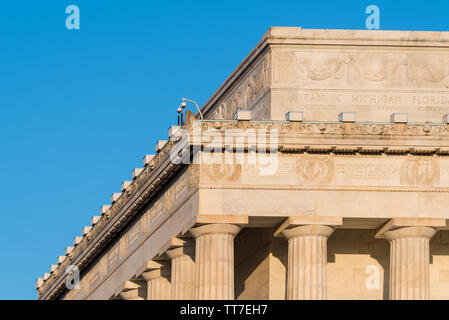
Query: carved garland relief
pixel 358 69
pixel 320 170
pixel 410 171
pixel 222 172
pixel 420 172
pixel 315 170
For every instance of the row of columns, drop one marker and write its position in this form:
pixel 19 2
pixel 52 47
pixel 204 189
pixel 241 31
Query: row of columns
pixel 204 269
pixel 409 262
pixel 201 270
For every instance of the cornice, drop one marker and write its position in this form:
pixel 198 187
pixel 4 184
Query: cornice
pixel 339 137
pixel 333 128
pixel 274 187
pixel 299 36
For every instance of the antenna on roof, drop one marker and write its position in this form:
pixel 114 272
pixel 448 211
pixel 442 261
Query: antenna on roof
pixel 179 115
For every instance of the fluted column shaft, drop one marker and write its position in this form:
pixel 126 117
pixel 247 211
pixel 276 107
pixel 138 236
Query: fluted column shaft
pixel 182 273
pixel 307 260
pixel 409 262
pixel 158 284
pixel 214 261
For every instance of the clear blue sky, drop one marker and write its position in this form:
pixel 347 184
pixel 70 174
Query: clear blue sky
pixel 79 109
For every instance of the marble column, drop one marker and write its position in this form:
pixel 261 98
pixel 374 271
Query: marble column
pixel 214 261
pixel 182 272
pixel 409 262
pixel 307 260
pixel 158 283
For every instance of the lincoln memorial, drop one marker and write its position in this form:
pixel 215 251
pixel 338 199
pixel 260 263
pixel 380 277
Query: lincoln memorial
pixel 318 170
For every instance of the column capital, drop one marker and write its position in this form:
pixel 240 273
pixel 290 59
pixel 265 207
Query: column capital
pixel 156 274
pixel 396 223
pixel 308 230
pixel 215 228
pixel 151 265
pixel 130 290
pixel 239 220
pixel 176 242
pixel 296 221
pixel 180 251
pixel 410 232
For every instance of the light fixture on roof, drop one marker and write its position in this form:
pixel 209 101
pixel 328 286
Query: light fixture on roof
pixel 184 105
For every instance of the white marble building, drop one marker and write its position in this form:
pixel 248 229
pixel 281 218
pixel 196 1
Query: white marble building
pixel 318 170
